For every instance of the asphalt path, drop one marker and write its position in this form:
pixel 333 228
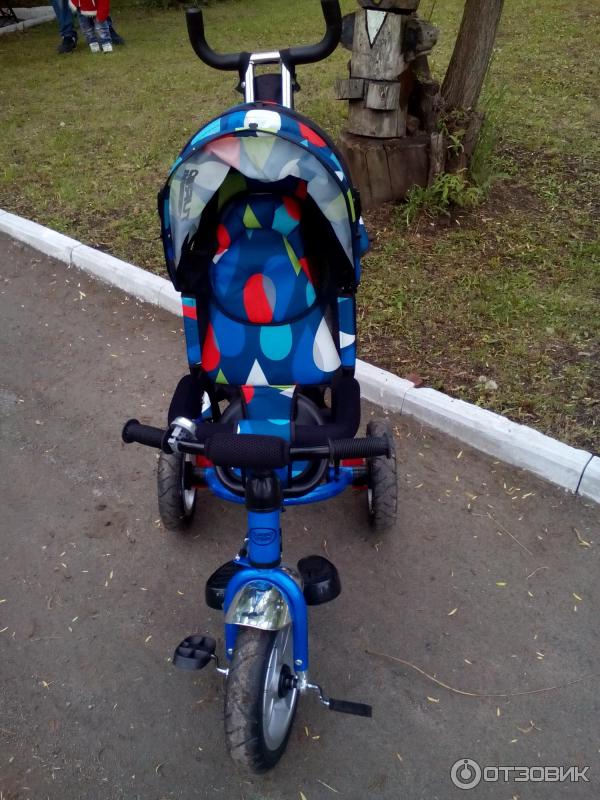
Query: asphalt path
pixel 472 629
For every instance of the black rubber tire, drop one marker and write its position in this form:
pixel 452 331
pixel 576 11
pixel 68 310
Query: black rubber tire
pixel 382 482
pixel 243 702
pixel 171 505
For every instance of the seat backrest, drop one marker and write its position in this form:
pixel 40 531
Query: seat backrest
pixel 269 319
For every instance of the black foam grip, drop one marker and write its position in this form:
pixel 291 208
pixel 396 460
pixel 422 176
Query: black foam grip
pixel 195 26
pixel 347 707
pixel 247 450
pixel 310 54
pixel 359 448
pixel 133 431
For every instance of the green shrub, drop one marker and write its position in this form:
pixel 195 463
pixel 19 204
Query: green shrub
pixel 448 190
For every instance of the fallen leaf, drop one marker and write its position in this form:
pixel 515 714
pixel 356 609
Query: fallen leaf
pixel 453 612
pixel 580 539
pixel 433 699
pixel 327 786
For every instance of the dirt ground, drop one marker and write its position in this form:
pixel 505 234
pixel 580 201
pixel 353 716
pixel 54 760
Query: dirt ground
pixel 489 586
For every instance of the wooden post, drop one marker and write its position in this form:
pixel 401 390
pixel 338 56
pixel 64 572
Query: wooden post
pixel 386 39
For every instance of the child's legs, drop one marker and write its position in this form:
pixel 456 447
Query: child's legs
pixel 87 27
pixel 103 32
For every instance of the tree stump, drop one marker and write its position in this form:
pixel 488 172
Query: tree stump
pixel 386 169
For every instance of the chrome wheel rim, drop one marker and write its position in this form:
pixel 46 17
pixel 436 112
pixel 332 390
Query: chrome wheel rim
pixel 189 495
pixel 278 711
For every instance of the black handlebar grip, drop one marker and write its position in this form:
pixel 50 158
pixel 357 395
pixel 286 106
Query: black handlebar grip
pixel 331 12
pixel 134 431
pixel 359 448
pixel 250 451
pixel 195 26
pixel 310 54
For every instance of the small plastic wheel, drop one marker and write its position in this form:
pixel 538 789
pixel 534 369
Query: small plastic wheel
pixel 382 485
pixel 260 703
pixel 176 504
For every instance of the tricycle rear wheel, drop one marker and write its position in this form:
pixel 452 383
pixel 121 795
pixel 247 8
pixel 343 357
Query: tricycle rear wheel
pixel 382 483
pixel 260 704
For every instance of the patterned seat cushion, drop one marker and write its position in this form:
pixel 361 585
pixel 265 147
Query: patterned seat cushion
pixel 266 319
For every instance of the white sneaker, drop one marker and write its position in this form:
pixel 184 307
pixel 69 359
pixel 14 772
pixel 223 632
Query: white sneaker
pixel 107 47
pixel 94 47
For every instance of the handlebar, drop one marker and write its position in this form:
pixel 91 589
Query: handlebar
pixel 254 451
pixel 134 431
pixel 304 54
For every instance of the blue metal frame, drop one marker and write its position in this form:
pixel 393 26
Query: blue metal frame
pixel 264 546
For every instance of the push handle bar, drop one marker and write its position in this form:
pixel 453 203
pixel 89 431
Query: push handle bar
pixel 304 54
pixel 195 26
pixel 254 451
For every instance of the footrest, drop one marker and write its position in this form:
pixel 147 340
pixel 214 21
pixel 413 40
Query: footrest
pixel 321 580
pixel 348 707
pixel 217 584
pixel 195 652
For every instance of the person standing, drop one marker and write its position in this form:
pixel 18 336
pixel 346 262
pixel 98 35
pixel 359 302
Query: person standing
pixel 93 22
pixel 66 27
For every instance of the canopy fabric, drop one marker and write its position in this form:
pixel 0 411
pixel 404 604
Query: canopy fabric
pixel 268 146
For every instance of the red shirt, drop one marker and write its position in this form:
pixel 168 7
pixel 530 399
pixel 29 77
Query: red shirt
pixel 92 8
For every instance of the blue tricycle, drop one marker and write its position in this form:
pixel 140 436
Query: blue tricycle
pixel 263 237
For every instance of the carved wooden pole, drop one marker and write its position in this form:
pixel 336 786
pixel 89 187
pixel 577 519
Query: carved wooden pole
pixel 393 103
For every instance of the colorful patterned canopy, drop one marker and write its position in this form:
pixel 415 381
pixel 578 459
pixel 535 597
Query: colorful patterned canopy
pixel 259 143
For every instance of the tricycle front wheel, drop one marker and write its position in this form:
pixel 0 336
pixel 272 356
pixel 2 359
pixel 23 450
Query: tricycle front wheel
pixel 176 504
pixel 260 703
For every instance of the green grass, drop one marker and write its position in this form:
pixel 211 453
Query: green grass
pixel 509 290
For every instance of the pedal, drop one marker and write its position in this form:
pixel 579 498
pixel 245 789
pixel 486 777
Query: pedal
pixel 195 652
pixel 347 707
pixel 217 584
pixel 320 578
pixel 344 706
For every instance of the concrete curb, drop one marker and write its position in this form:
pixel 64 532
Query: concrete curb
pixel 589 485
pixel 44 239
pixel 575 470
pixel 28 17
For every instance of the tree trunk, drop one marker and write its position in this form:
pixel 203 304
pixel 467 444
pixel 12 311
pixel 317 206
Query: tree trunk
pixel 472 53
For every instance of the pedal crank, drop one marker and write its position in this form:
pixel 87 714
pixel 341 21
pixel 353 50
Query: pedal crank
pixel 332 703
